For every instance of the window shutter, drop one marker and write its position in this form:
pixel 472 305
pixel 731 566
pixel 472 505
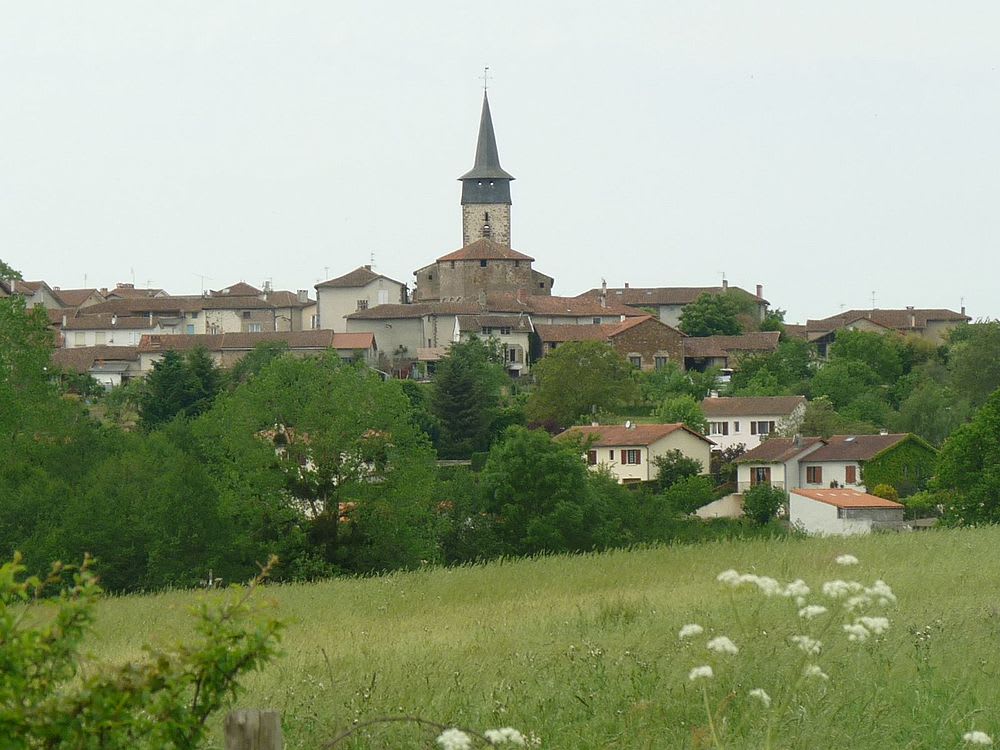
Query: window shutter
pixel 638 457
pixel 623 456
pixel 725 428
pixel 753 428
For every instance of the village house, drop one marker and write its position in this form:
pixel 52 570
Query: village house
pixel 747 420
pixel 854 461
pixel 643 340
pixel 667 303
pixel 842 512
pixel 359 289
pixel 933 325
pixel 110 366
pixel 109 329
pixel 511 333
pixel 725 352
pixel 629 451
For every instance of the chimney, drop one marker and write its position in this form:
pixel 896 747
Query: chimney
pixel 114 319
pixel 104 291
pixel 725 283
pixel 913 317
pixel 303 295
pixel 367 267
pixel 64 320
pixel 797 440
pixel 267 286
pixel 963 309
pixel 760 291
pixel 626 285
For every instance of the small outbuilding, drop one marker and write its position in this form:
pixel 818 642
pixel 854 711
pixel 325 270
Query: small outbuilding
pixel 842 512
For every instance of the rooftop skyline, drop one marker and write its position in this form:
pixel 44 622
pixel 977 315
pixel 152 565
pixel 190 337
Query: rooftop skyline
pixel 828 153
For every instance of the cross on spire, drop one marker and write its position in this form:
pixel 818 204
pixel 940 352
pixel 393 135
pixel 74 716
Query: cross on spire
pixel 485 77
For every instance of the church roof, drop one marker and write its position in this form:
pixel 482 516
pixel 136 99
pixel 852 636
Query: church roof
pixel 485 249
pixel 487 158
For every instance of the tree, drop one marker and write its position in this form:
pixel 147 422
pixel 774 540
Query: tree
pixel 783 372
pixel 673 466
pixel 538 491
pixel 27 393
pixel 178 386
pixel 711 314
pixel 7 273
pixel 822 420
pixel 843 381
pixel 968 467
pixel 255 361
pixel 974 360
pixel 761 503
pixel 465 397
pixel 688 494
pixel 683 409
pixel 578 378
pixel 883 353
pixel 932 411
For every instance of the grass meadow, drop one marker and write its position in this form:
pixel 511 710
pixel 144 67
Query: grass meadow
pixel 583 652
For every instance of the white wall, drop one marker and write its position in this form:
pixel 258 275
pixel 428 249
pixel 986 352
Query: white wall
pixel 832 471
pixel 782 422
pixel 730 506
pixel 333 303
pixel 819 518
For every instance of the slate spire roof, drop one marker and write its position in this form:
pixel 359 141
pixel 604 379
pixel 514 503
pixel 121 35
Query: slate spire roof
pixel 487 158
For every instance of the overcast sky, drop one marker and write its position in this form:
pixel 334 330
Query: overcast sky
pixel 824 150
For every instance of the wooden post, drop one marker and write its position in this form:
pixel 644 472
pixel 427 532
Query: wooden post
pixel 249 729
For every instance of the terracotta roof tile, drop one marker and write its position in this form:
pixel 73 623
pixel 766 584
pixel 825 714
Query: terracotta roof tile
pixel 778 450
pixel 359 277
pixel 82 358
pixel 723 346
pixel 484 249
pixel 239 289
pixel 856 447
pixel 748 406
pixel 639 434
pixel 896 319
pixel 76 297
pixel 846 498
pixel 320 339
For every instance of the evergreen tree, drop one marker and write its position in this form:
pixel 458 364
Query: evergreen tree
pixel 465 398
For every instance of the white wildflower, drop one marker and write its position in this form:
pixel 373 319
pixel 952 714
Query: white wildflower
pixel 454 739
pixel 859 601
pixel 807 645
pixel 768 586
pixel 977 738
pixel 747 578
pixel 813 610
pixel 838 589
pixel 761 695
pixel 507 734
pixel 690 630
pixel 800 601
pixel 813 670
pixel 704 672
pixel 881 593
pixel 723 645
pixel 856 632
pixel 876 625
pixel 846 560
pixel 796 588
pixel 729 577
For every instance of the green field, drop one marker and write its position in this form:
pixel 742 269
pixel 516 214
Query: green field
pixel 583 651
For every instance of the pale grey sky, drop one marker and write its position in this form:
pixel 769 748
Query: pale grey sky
pixel 825 150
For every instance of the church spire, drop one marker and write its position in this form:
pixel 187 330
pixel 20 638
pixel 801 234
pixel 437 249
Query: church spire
pixel 487 157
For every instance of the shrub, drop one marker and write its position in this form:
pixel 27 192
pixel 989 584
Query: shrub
pixel 761 503
pixel 886 491
pixel 162 702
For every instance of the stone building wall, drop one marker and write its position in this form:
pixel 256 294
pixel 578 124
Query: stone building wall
pixel 650 339
pixel 474 217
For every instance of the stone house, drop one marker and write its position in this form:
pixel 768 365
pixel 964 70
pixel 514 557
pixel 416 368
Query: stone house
pixel 628 451
pixel 933 325
pixel 733 420
pixel 484 266
pixel 725 352
pixel 361 289
pixel 644 341
pixel 842 512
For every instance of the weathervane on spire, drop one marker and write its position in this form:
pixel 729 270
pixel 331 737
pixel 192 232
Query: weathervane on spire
pixel 485 78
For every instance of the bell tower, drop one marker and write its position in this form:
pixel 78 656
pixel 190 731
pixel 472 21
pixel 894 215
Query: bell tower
pixel 486 189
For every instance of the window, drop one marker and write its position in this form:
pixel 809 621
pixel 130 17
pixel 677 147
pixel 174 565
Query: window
pixel 430 276
pixel 631 456
pixel 596 321
pixel 718 428
pixel 482 264
pixel 541 284
pixel 505 330
pixel 362 304
pixel 487 331
pixel 814 475
pixel 736 426
pixel 383 296
pixel 635 360
pixel 761 428
pixel 100 337
pixel 760 475
pixel 517 264
pixel 246 315
pixel 661 362
pixel 253 327
pixel 314 322
pixel 851 474
pixel 190 327
pixel 591 458
pixel 611 455
pixel 80 338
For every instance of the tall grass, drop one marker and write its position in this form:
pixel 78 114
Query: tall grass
pixel 584 651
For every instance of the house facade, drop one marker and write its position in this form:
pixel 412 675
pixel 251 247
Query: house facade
pixel 933 325
pixel 842 512
pixel 725 352
pixel 361 289
pixel 629 451
pixel 749 420
pixel 511 334
pixel 643 340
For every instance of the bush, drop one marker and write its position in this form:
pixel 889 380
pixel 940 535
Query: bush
pixel 761 503
pixel 690 493
pixel 886 491
pixel 46 700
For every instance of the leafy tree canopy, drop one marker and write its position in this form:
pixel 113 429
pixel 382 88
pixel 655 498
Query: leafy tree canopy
pixel 974 360
pixel 673 466
pixel 762 502
pixel 578 378
pixel 684 409
pixel 784 372
pixel 6 272
pixel 712 314
pixel 465 397
pixel 179 386
pixel 883 353
pixel 968 467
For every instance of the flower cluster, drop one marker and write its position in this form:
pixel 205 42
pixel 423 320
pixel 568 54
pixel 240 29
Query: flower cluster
pixel 456 739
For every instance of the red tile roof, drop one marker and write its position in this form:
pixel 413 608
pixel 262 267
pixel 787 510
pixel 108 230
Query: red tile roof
pixel 778 450
pixel 845 498
pixel 723 346
pixel 484 249
pixel 748 406
pixel 638 434
pixel 82 358
pixel 666 295
pixel 361 276
pixel 76 297
pixel 239 289
pixel 895 318
pixel 321 339
pixel 856 447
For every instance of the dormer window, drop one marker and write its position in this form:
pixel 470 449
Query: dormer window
pixel 482 264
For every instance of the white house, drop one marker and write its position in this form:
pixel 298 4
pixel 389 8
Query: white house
pixel 106 329
pixel 842 511
pixel 749 419
pixel 629 450
pixel 361 289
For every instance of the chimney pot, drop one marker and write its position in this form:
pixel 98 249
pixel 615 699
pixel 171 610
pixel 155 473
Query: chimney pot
pixel 626 285
pixel 64 320
pixel 760 291
pixel 303 296
pixel 725 283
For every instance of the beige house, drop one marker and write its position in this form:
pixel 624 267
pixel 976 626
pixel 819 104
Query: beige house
pixel 750 419
pixel 934 325
pixel 361 289
pixel 109 329
pixel 628 451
